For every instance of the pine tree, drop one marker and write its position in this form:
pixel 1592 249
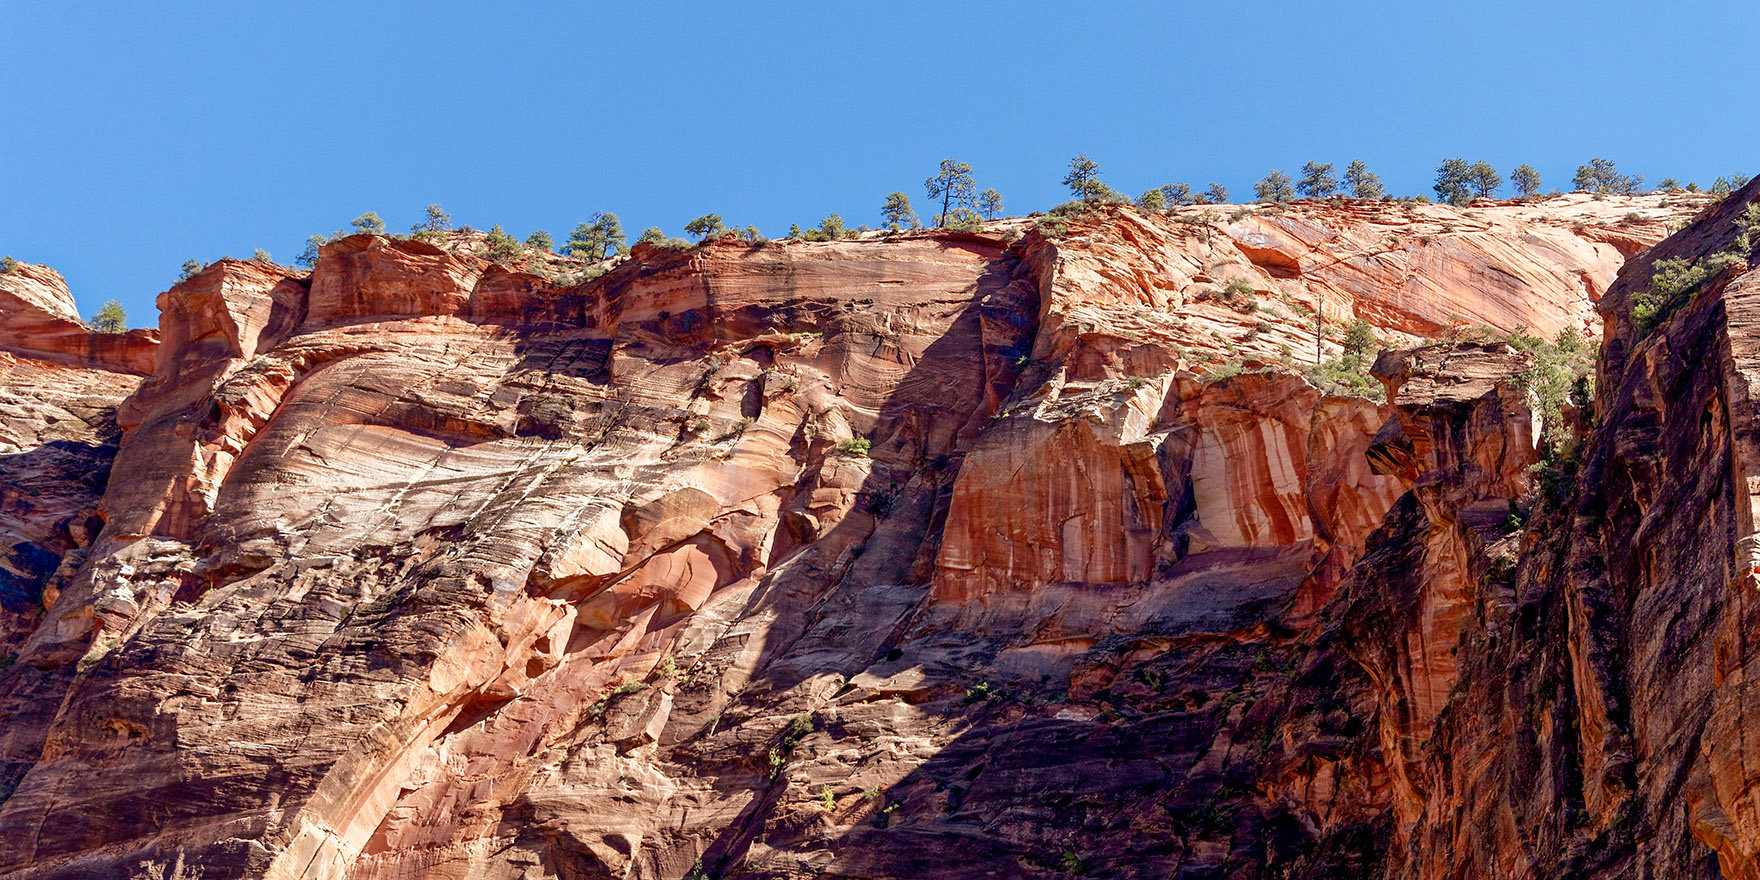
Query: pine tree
pixel 190 268
pixel 1176 194
pixel 504 248
pixel 953 185
pixel 705 227
pixel 990 204
pixel 540 240
pixel 1484 179
pixel 1526 180
pixel 897 213
pixel 1601 176
pixel 433 220
pixel 1452 181
pixel 370 222
pixel 1083 178
pixel 1361 182
pixel 110 318
pixel 1217 194
pixel 1274 187
pixel 597 238
pixel 1317 181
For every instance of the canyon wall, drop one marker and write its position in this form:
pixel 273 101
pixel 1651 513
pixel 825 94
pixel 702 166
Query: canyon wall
pixel 1025 551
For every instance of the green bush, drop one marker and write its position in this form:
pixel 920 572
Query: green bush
pixel 540 240
pixel 855 447
pixel 830 229
pixel 1563 371
pixel 1600 176
pixel 7 264
pixel 1526 180
pixel 1274 187
pixel 370 223
pixel 897 213
pixel 110 318
pixel 504 248
pixel 1317 181
pixel 705 227
pixel 1361 182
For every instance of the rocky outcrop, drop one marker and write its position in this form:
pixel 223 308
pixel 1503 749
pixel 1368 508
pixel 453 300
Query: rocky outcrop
pixel 905 555
pixel 38 319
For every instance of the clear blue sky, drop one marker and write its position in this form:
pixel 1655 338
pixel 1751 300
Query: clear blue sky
pixel 137 136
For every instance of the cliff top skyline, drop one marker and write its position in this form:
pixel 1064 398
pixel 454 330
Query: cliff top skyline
pixel 142 139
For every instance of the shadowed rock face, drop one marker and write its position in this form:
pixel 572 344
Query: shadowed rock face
pixel 918 555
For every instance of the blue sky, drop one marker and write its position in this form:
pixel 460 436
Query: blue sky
pixel 138 136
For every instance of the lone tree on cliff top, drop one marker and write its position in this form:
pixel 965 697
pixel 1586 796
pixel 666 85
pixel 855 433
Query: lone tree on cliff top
pixel 1083 179
pixel 110 318
pixel 990 204
pixel 897 212
pixel 953 185
pixel 1526 180
pixel 369 222
pixel 705 227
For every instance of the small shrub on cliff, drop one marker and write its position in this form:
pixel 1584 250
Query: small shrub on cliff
pixel 504 248
pixel 110 318
pixel 1559 368
pixel 1674 284
pixel 189 269
pixel 855 447
pixel 7 264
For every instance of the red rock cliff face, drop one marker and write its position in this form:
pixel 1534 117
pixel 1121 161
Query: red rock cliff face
pixel 905 556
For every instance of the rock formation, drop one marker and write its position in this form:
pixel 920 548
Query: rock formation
pixel 1021 552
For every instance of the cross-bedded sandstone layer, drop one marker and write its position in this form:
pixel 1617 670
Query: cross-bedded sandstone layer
pixel 911 555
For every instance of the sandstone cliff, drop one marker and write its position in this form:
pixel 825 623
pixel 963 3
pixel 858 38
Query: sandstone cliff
pixel 911 555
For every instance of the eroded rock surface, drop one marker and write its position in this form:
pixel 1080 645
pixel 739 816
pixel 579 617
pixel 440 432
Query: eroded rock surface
pixel 910 555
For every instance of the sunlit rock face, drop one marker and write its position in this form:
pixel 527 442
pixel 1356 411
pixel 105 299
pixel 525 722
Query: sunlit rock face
pixel 1018 552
